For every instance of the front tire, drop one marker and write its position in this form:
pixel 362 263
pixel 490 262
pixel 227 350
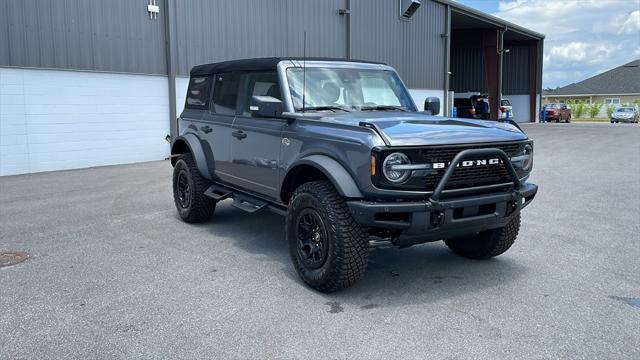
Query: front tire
pixel 188 191
pixel 486 244
pixel 329 249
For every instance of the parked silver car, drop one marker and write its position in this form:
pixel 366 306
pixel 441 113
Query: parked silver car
pixel 625 114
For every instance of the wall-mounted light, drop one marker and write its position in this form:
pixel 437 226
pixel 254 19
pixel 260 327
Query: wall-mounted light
pixel 408 8
pixel 153 9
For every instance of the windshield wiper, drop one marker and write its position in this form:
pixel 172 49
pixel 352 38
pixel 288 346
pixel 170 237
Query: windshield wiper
pixel 327 107
pixel 383 107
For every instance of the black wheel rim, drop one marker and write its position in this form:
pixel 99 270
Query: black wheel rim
pixel 183 190
pixel 313 245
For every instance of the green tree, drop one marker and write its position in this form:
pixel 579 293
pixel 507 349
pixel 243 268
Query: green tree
pixel 594 109
pixel 610 110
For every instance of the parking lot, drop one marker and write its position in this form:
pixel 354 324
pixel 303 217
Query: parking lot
pixel 114 273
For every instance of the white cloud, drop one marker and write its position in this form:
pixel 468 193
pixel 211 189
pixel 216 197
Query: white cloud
pixel 583 37
pixel 631 24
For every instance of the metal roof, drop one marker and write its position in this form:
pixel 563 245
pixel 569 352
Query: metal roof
pixel 624 79
pixel 493 20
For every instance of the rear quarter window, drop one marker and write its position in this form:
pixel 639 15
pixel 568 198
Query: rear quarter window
pixel 198 92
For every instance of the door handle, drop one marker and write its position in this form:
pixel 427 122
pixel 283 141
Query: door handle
pixel 239 134
pixel 206 129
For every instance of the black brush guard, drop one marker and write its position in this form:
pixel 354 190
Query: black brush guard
pixel 436 218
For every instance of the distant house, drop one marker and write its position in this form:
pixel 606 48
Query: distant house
pixel 618 86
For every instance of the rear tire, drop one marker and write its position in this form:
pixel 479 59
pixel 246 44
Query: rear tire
pixel 188 191
pixel 486 244
pixel 329 249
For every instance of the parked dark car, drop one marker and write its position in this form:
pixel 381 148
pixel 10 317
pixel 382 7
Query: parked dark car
pixel 557 112
pixel 469 107
pixel 339 149
pixel 466 108
pixel 625 114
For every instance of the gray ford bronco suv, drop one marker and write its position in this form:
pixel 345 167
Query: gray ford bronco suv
pixel 339 148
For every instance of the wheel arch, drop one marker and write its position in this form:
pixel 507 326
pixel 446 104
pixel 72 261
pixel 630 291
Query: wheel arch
pixel 318 167
pixel 190 143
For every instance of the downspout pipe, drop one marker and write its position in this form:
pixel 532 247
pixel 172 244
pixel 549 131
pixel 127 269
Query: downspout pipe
pixel 500 63
pixel 171 72
pixel 447 60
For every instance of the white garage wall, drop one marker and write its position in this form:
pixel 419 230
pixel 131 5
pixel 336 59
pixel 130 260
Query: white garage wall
pixel 182 83
pixel 419 95
pixel 57 119
pixel 520 105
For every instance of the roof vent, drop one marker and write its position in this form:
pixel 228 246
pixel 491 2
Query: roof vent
pixel 408 8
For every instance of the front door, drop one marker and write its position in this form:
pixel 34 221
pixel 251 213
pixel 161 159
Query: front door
pixel 255 143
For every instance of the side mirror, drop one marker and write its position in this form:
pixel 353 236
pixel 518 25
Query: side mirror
pixel 265 106
pixel 432 105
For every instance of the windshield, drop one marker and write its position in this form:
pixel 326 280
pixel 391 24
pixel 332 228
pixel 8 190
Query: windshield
pixel 629 110
pixel 553 106
pixel 348 90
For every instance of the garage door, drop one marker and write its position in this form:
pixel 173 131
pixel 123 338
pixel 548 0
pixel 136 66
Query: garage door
pixel 54 120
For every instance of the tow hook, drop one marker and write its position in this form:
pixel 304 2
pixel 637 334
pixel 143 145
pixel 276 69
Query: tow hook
pixel 512 206
pixel 436 218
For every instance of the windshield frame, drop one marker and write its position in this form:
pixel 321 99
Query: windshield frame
pixel 284 65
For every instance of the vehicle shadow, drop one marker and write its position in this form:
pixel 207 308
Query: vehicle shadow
pixel 419 274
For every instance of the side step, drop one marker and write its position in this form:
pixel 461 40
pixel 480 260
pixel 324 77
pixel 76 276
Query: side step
pixel 218 194
pixel 248 206
pixel 242 201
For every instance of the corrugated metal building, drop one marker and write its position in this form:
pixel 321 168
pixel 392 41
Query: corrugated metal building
pixel 87 82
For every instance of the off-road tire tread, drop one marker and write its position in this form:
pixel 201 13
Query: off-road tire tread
pixel 492 242
pixel 202 206
pixel 352 251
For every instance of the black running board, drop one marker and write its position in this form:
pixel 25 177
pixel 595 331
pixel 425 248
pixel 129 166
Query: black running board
pixel 243 201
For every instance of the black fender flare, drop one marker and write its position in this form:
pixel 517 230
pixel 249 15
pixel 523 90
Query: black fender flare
pixel 335 172
pixel 195 147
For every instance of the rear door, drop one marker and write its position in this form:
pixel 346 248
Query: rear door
pixel 218 121
pixel 255 142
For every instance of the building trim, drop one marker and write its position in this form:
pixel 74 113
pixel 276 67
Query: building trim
pixel 574 95
pixel 81 70
pixel 456 6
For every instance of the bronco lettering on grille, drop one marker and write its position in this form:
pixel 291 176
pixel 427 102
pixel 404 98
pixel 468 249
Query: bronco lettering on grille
pixel 468 163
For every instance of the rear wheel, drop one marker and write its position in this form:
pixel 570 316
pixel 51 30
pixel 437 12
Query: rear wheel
pixel 329 249
pixel 486 244
pixel 188 191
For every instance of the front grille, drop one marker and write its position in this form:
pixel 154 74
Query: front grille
pixel 464 177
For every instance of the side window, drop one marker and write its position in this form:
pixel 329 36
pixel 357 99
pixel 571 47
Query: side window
pixel 198 92
pixel 225 94
pixel 258 83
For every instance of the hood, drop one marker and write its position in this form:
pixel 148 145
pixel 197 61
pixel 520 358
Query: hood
pixel 414 129
pixel 622 114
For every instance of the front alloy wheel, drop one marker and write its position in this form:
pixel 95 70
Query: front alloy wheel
pixel 313 245
pixel 329 249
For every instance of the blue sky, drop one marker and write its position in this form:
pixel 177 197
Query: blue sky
pixel 583 37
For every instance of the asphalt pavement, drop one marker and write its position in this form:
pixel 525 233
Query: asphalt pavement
pixel 114 274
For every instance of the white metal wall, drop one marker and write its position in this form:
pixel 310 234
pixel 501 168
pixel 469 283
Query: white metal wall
pixel 520 105
pixel 57 119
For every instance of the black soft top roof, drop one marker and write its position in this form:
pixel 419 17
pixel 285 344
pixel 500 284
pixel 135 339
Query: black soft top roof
pixel 257 64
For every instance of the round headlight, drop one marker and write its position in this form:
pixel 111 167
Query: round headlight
pixel 528 161
pixel 395 175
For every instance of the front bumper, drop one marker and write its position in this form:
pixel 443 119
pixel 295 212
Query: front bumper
pixel 423 221
pixel 432 219
pixel 629 120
